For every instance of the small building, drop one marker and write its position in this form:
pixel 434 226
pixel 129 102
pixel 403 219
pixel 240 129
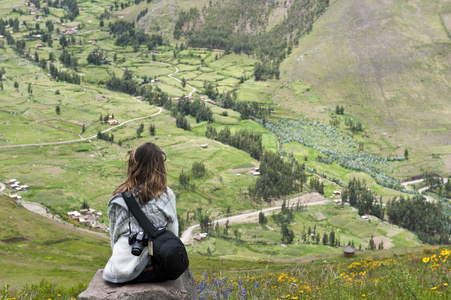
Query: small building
pixel 37 46
pixel 155 80
pixel 14 186
pixel 337 193
pixel 84 211
pixel 199 237
pixel 348 251
pixel 73 214
pixel 204 146
pixel 101 226
pixel 10 182
pixel 112 122
pixel 211 102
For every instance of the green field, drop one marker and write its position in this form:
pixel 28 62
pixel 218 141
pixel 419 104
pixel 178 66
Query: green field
pixel 263 242
pixel 401 106
pixel 394 83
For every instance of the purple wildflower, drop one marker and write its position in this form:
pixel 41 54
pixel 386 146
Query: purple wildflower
pixel 243 293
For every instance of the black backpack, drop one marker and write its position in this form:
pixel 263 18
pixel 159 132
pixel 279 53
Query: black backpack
pixel 169 257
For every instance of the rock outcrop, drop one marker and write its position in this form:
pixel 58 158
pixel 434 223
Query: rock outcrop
pixel 184 288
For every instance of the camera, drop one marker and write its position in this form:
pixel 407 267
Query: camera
pixel 138 240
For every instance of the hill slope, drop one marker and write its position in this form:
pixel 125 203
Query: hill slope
pixel 387 63
pixel 42 248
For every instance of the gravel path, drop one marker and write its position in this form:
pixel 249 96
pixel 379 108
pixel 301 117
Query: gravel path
pixel 81 139
pixel 240 219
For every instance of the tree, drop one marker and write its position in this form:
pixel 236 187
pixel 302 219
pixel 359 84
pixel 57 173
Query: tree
pixel 152 129
pixel 16 84
pixel 30 90
pixel 84 205
pixel 140 130
pixel 198 169
pixel 96 57
pixel 58 110
pixel 226 228
pixel 406 154
pixel 287 234
pixel 332 238
pixel 325 239
pixel 262 220
pixel 371 244
pixel 184 179
pixel 183 82
pixel 63 41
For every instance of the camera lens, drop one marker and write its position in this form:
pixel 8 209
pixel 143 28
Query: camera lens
pixel 137 248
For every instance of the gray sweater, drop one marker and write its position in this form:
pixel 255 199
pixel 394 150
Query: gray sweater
pixel 123 266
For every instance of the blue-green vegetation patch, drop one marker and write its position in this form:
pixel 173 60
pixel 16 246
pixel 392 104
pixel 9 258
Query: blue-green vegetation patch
pixel 337 146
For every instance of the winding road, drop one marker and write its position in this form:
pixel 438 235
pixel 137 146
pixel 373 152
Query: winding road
pixel 423 189
pixel 176 79
pixel 111 128
pixel 241 218
pixel 81 139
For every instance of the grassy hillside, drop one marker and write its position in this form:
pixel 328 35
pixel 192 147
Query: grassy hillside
pixel 257 242
pixel 388 64
pixel 33 247
pixel 36 108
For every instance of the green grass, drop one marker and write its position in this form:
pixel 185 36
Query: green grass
pixel 259 242
pixel 404 274
pixel 63 176
pixel 45 248
pixel 388 97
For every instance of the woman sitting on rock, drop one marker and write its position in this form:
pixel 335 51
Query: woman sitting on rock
pixel 147 181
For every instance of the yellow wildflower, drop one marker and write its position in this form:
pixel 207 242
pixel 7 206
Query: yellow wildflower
pixel 426 259
pixel 434 288
pixel 363 295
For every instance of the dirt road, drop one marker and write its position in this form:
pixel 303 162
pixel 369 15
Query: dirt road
pixel 81 139
pixel 42 210
pixel 176 79
pixel 423 189
pixel 243 218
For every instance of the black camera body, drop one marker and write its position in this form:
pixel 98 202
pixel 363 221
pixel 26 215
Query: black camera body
pixel 138 240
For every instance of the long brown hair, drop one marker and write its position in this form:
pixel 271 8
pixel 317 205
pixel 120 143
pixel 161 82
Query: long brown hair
pixel 146 174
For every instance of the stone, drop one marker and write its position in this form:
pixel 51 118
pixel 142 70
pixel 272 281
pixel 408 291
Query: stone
pixel 183 288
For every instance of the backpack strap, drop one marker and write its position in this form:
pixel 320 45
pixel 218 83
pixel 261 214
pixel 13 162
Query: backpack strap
pixel 145 223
